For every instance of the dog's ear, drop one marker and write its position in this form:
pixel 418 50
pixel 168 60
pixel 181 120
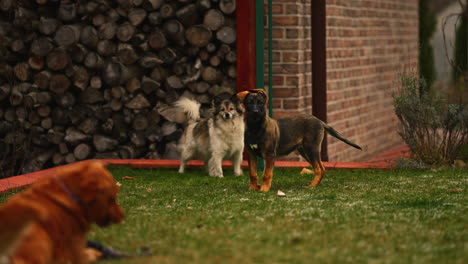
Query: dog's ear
pixel 95 178
pixel 242 95
pixel 238 103
pixel 235 99
pixel 216 100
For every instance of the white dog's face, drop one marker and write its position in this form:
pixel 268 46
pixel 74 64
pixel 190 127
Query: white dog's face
pixel 228 109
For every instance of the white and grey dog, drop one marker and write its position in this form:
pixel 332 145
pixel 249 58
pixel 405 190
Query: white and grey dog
pixel 214 139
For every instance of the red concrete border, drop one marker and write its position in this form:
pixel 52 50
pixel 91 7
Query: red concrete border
pixel 25 180
pixel 384 161
pixel 152 164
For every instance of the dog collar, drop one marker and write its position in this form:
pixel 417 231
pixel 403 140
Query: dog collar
pixel 70 194
pixel 83 223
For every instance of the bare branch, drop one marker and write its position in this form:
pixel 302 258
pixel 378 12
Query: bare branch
pixel 444 25
pixel 463 5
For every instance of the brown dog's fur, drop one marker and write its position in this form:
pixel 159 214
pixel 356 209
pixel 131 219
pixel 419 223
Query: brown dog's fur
pixel 269 138
pixel 47 223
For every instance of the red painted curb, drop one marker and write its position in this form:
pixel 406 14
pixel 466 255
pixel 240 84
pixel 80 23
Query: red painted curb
pixel 24 180
pixel 154 164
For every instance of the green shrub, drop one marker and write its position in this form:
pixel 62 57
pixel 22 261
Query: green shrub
pixel 434 130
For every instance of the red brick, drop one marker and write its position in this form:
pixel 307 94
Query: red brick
pixel 290 57
pixel 291 9
pixel 278 80
pixel 277 103
pixel 285 44
pixel 275 8
pixel 292 80
pixel 285 92
pixel 285 20
pixel 292 33
pixel 293 103
pixel 276 56
pixel 277 33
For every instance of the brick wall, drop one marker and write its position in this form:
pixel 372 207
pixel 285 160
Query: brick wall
pixel 368 44
pixel 292 76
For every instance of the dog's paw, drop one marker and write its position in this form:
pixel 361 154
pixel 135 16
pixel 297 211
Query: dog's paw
pixel 238 173
pixel 217 175
pixel 92 255
pixel 254 187
pixel 310 186
pixel 264 188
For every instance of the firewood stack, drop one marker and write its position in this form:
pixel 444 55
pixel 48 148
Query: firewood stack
pixel 85 79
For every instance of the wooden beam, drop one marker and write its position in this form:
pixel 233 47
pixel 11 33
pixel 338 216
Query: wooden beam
pixel 319 66
pixel 245 45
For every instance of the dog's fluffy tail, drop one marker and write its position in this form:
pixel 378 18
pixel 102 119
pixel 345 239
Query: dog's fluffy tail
pixel 335 133
pixel 190 107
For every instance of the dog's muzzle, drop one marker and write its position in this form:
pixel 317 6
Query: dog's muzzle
pixel 255 114
pixel 256 109
pixel 227 116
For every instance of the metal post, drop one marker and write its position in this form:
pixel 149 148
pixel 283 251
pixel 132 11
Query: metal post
pixel 270 56
pixel 259 46
pixel 259 64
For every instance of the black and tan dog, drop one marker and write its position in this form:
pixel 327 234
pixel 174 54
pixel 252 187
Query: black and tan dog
pixel 269 138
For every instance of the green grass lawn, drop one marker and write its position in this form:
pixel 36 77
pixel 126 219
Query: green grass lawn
pixel 354 216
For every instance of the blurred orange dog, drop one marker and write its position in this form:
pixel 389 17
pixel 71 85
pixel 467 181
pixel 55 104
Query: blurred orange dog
pixel 47 223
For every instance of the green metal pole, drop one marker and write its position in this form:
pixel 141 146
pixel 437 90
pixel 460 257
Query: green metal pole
pixel 259 57
pixel 270 56
pixel 259 46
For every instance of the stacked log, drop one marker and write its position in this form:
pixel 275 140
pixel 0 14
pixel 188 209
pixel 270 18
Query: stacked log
pixel 85 79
